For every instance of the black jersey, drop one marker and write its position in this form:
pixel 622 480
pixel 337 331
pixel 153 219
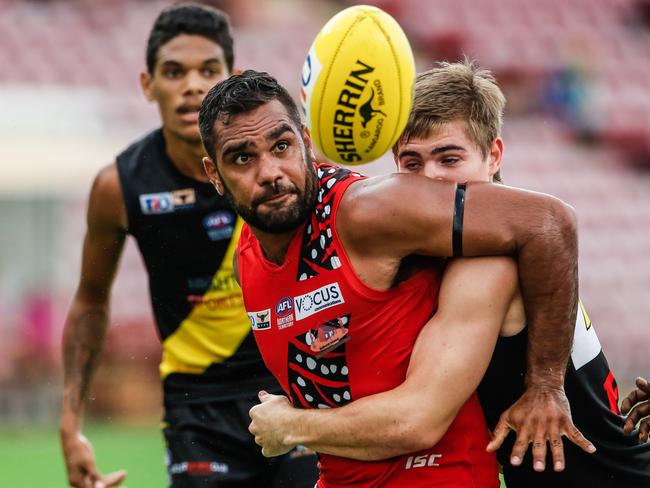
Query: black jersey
pixel 620 459
pixel 187 235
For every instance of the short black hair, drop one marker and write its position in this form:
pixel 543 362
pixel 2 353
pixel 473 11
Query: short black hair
pixel 192 19
pixel 239 94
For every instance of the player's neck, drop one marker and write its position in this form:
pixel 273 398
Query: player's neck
pixel 186 156
pixel 274 246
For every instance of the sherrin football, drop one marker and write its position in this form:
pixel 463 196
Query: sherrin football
pixel 357 85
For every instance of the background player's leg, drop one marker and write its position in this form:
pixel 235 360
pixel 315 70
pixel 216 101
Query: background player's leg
pixel 209 445
pixel 296 469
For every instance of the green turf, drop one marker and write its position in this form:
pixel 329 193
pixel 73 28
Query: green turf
pixel 30 457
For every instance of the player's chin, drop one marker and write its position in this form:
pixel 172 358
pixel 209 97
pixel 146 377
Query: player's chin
pixel 280 220
pixel 189 133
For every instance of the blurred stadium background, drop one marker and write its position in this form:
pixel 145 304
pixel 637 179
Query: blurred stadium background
pixel 577 77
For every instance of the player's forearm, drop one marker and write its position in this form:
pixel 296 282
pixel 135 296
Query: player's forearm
pixel 83 340
pixel 550 296
pixel 371 428
pixel 542 232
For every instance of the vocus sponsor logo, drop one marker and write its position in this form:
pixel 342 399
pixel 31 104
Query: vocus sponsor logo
pixel 318 300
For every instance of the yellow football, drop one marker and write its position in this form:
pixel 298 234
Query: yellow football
pixel 357 85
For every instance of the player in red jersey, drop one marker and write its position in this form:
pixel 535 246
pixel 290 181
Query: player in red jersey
pixel 329 250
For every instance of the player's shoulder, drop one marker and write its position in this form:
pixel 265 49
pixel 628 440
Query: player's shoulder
pixel 382 199
pixel 107 180
pixel 106 196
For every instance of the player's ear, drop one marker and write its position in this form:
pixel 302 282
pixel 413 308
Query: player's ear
pixel 145 84
pixel 306 137
pixel 495 156
pixel 210 169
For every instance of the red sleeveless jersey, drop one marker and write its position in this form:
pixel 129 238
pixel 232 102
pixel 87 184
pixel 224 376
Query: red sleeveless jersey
pixel 330 339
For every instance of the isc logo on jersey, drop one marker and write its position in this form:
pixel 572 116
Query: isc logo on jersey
pixel 318 300
pixel 260 320
pixel 219 225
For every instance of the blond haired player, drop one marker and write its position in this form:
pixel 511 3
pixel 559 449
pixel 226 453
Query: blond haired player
pixel 453 134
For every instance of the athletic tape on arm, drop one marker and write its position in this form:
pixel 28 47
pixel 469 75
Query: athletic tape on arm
pixel 459 210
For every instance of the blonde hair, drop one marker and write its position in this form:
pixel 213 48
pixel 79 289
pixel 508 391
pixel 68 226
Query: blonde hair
pixel 457 91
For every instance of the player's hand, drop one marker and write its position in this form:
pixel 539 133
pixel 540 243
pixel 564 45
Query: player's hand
pixel 541 415
pixel 81 466
pixel 269 423
pixel 637 408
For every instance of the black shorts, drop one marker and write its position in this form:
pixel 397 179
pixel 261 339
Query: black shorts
pixel 208 445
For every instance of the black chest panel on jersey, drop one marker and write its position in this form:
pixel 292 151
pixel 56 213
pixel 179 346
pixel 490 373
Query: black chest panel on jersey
pixel 620 460
pixel 186 232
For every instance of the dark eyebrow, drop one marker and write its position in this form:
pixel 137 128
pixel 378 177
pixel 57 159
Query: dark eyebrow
pixel 235 148
pixel 403 154
pixel 212 60
pixel 437 150
pixel 241 146
pixel 278 131
pixel 173 62
pixel 449 147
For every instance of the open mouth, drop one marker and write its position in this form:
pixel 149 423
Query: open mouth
pixel 189 112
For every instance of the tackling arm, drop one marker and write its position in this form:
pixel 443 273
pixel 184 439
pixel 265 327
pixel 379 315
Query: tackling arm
pixel 404 214
pixel 448 361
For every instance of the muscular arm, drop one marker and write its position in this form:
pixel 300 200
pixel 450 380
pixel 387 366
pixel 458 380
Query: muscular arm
pixel 383 219
pixel 448 361
pixel 86 323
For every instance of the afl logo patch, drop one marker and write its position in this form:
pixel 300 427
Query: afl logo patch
pixel 219 225
pixel 284 307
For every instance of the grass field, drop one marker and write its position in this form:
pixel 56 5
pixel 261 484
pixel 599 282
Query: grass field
pixel 30 457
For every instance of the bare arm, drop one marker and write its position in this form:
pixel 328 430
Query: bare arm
pixel 448 361
pixel 383 219
pixel 409 215
pixel 85 327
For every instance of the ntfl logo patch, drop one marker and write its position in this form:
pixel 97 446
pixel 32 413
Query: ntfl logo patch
pixel 260 320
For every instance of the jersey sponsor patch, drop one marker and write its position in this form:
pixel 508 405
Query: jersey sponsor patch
pixel 586 345
pixel 318 300
pixel 284 312
pixel 219 225
pixel 167 202
pixel 426 460
pixel 260 320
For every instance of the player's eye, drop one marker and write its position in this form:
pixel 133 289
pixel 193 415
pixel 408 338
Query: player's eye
pixel 210 72
pixel 173 73
pixel 242 159
pixel 449 161
pixel 282 146
pixel 412 166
